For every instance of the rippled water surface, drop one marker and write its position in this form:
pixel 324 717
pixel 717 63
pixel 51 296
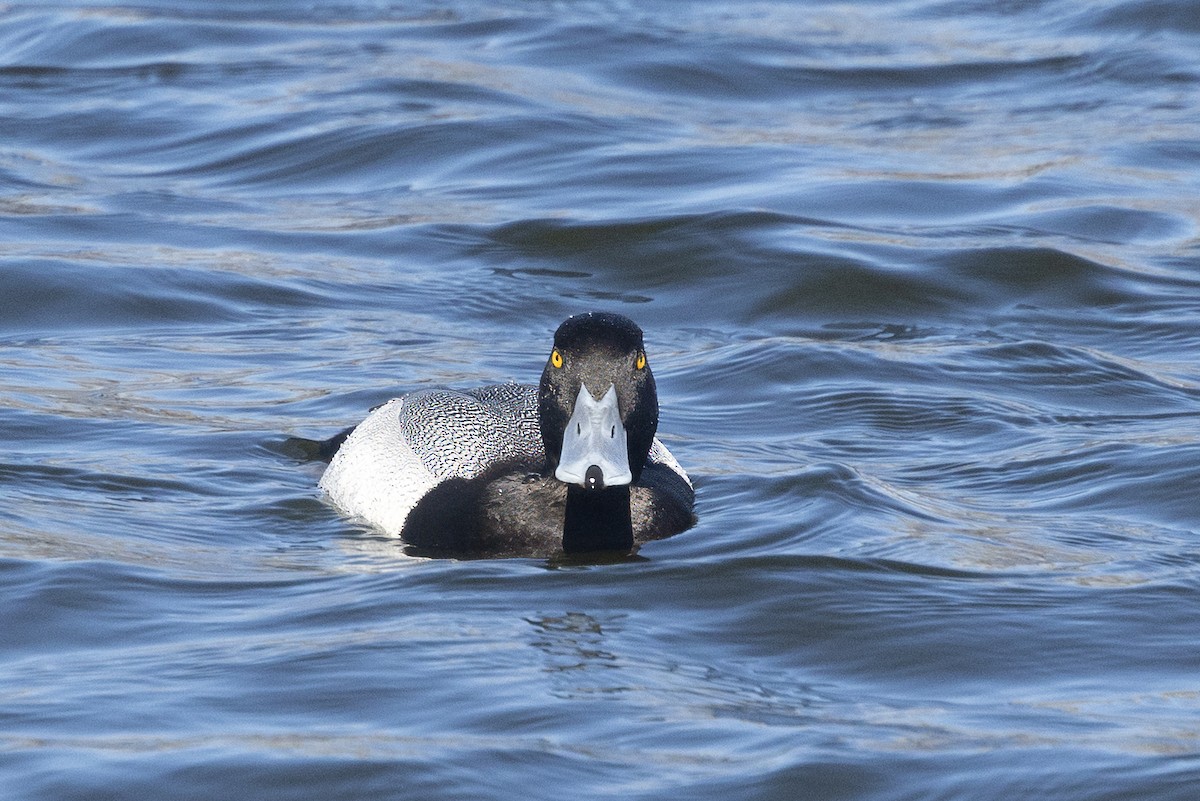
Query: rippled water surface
pixel 921 286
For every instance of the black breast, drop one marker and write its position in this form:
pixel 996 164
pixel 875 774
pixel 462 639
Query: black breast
pixel 509 511
pixel 660 504
pixel 504 512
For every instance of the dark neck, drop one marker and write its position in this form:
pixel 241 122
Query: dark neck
pixel 597 520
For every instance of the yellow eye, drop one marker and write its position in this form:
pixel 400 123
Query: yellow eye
pixel 556 358
pixel 641 360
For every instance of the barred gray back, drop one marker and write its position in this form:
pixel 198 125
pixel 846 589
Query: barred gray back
pixel 463 432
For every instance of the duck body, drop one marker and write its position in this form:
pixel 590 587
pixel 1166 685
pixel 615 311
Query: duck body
pixel 571 464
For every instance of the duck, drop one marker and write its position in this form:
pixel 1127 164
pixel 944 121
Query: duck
pixel 571 465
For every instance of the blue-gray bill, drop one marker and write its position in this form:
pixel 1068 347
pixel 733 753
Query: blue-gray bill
pixel 594 453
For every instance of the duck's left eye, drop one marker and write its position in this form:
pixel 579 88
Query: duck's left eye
pixel 641 360
pixel 556 358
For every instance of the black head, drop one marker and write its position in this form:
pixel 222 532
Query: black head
pixel 599 350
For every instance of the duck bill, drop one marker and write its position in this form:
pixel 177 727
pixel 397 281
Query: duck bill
pixel 594 452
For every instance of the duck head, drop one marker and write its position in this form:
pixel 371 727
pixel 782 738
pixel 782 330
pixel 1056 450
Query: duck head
pixel 597 402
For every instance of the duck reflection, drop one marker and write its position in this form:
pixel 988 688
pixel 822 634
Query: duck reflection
pixel 578 654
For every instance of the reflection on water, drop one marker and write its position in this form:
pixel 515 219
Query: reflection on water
pixel 574 646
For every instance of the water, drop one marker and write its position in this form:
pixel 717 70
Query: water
pixel 921 287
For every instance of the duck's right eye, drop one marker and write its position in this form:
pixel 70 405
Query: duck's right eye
pixel 556 358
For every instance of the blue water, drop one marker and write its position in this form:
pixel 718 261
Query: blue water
pixel 921 288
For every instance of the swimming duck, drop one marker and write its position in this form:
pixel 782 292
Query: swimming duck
pixel 569 465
